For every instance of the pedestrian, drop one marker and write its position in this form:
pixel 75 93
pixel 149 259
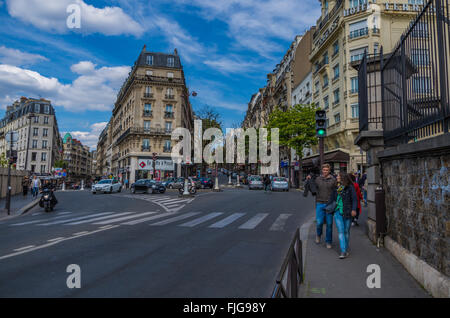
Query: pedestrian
pixel 325 184
pixel 35 184
pixel 266 182
pixel 344 196
pixel 25 184
pixel 359 198
pixel 362 186
pixel 126 184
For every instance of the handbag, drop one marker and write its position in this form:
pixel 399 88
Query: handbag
pixel 330 208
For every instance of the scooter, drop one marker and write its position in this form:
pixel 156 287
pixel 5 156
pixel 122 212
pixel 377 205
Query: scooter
pixel 46 200
pixel 191 189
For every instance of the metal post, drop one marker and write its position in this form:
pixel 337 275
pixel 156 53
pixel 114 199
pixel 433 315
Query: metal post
pixel 404 108
pixel 442 57
pixel 321 150
pixel 216 183
pixel 186 181
pixel 8 193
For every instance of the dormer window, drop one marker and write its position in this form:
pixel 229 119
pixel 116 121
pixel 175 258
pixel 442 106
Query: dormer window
pixel 170 62
pixel 149 59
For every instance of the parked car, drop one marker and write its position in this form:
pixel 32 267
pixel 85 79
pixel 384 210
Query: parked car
pixel 169 182
pixel 179 183
pixel 197 182
pixel 107 186
pixel 243 178
pixel 255 182
pixel 279 183
pixel 206 183
pixel 209 171
pixel 148 186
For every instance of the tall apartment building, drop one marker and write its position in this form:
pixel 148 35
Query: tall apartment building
pixel 38 144
pixel 78 159
pixel 103 167
pixel 345 30
pixel 152 102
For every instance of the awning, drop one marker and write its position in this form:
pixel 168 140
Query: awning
pixel 330 157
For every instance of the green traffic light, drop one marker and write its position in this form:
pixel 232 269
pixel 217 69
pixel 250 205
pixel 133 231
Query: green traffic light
pixel 321 132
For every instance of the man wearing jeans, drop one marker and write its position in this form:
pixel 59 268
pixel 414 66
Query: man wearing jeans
pixel 325 183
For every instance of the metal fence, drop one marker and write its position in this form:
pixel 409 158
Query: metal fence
pixel 409 92
pixel 287 285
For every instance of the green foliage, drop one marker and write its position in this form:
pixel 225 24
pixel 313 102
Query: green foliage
pixel 60 164
pixel 3 160
pixel 296 126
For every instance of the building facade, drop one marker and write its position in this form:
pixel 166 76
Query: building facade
pixel 153 101
pixel 38 142
pixel 347 29
pixel 78 159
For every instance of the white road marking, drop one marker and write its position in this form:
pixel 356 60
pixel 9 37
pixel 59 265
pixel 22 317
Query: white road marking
pixel 228 220
pixel 123 218
pixel 53 243
pixel 24 248
pixel 202 219
pixel 177 218
pixel 279 223
pixel 254 221
pixel 80 233
pixel 98 219
pixel 106 226
pixel 149 219
pixel 56 239
pixel 38 221
pixel 76 219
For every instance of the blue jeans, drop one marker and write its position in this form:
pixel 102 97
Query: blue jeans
pixel 343 226
pixel 321 217
pixel 35 191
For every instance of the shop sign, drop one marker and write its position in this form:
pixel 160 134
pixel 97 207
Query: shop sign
pixel 402 7
pixel 354 10
pixel 160 164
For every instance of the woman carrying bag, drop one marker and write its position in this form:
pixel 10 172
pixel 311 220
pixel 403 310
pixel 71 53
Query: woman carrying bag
pixel 345 202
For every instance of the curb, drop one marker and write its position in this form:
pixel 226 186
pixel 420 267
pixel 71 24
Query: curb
pixel 28 207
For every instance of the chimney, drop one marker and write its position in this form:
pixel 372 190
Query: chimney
pixel 143 49
pixel 175 52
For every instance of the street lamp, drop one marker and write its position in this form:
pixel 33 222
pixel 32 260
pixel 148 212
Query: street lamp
pixel 30 116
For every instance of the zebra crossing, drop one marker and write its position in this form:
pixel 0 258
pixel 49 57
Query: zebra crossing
pixel 168 203
pixel 212 220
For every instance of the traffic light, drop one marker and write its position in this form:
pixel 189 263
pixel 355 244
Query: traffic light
pixel 321 123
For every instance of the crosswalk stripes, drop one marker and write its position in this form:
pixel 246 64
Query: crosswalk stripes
pixel 202 219
pixel 123 218
pixel 98 219
pixel 151 218
pixel 75 219
pixel 228 220
pixel 254 221
pixel 176 218
pixel 168 203
pixel 279 223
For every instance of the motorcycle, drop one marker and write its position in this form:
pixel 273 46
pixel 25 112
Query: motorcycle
pixel 192 189
pixel 46 200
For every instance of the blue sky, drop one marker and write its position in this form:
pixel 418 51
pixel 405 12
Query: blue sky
pixel 227 47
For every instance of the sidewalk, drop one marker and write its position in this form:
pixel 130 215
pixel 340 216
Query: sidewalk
pixel 19 204
pixel 327 276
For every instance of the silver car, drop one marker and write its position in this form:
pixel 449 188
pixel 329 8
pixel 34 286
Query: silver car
pixel 279 183
pixel 255 182
pixel 107 186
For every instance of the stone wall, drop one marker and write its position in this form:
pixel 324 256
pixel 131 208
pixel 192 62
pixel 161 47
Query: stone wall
pixel 417 187
pixel 16 181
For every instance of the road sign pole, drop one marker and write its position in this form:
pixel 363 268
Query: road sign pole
pixel 321 146
pixel 8 193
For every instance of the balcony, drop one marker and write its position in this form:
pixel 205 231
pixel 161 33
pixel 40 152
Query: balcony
pixel 148 95
pixel 146 148
pixel 144 131
pixel 321 65
pixel 170 96
pixel 167 149
pixel 358 33
pixel 375 30
pixel 147 113
pixel 169 115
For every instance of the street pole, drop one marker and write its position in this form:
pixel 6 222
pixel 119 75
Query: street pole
pixel 186 180
pixel 216 183
pixel 8 194
pixel 321 149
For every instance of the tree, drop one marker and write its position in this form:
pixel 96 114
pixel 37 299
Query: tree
pixel 296 127
pixel 60 164
pixel 3 160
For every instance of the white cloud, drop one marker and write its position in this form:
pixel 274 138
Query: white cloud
pixel 83 68
pixel 19 58
pixel 51 15
pixel 93 90
pixel 89 138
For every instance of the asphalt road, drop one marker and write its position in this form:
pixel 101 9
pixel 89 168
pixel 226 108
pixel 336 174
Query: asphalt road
pixel 227 244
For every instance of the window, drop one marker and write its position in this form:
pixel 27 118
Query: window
pixel 42 168
pixel 415 1
pixel 145 143
pixel 317 86
pixel 167 145
pixel 357 54
pixel 147 108
pixel 35 132
pixel 335 48
pixel 355 110
pixel 169 108
pixel 325 81
pixel 149 73
pixel 169 74
pixel 45 134
pixel 33 156
pixel 325 59
pixel 37 108
pixel 44 156
pixel 33 168
pixel 149 59
pixel 358 29
pixel 36 119
pixel 146 125
pixel 46 120
pixel 336 72
pixel 148 90
pixel 168 126
pixel 170 62
pixel 169 92
pixel 420 29
pixel 47 109
pixel 354 84
pixel 421 84
pixel 326 103
pixel 420 57
pixel 356 3
pixel 337 118
pixel 336 96
pixel 376 48
pixel 44 144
